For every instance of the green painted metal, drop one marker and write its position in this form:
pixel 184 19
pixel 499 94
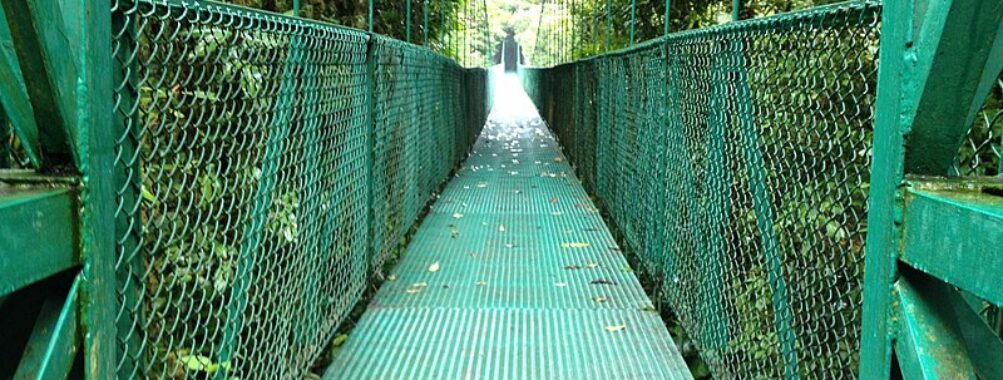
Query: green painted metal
pixel 951 231
pixel 424 27
pixel 957 51
pixel 928 345
pixel 758 174
pixel 609 24
pixel 940 334
pixel 633 20
pixel 14 102
pixel 498 281
pixel 736 7
pixel 667 18
pixel 407 18
pixel 41 38
pixel 55 339
pixel 38 235
pixel 93 53
pixel 886 176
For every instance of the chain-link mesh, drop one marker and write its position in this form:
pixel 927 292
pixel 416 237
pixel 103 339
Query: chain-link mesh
pixel 734 161
pixel 415 89
pixel 249 167
pixel 982 148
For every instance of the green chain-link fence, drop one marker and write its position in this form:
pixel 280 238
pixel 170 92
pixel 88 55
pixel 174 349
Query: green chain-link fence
pixel 734 161
pixel 983 146
pixel 265 166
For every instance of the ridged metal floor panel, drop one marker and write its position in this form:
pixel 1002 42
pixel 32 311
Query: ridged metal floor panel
pixel 524 260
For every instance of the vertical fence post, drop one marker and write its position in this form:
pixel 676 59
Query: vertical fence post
pixel 633 19
pixel 609 24
pixel 736 5
pixel 296 8
pixel 97 158
pixel 668 4
pixel 886 175
pixel 370 16
pixel 407 18
pixel 487 35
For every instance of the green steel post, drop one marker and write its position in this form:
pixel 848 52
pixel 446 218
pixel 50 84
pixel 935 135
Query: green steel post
pixel 894 75
pixel 487 34
pixel 407 18
pixel 736 5
pixel 371 16
pixel 94 100
pixel 128 186
pixel 609 24
pixel 574 32
pixel 296 8
pixel 633 19
pixel 424 28
pixel 668 3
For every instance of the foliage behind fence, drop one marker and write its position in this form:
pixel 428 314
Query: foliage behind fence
pixel 734 160
pixel 266 165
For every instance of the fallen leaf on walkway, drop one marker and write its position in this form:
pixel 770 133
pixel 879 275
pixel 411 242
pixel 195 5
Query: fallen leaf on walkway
pixel 560 284
pixel 419 285
pixel 457 215
pixel 482 184
pixel 600 299
pixel 501 228
pixel 553 200
pixel 576 245
pixel 453 231
pixel 481 283
pixel 392 277
pixel 626 270
pixel 412 290
pixel 615 328
pixel 649 308
pixel 603 281
pixel 558 159
pixel 572 267
pixel 509 245
pixel 592 265
pixel 556 213
pixel 434 267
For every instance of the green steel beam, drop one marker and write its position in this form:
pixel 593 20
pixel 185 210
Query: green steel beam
pixel 41 39
pixel 940 335
pixel 55 340
pixel 927 344
pixel 37 236
pixel 14 95
pixel 958 51
pixel 951 231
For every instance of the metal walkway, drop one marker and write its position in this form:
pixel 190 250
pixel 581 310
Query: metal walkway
pixel 512 275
